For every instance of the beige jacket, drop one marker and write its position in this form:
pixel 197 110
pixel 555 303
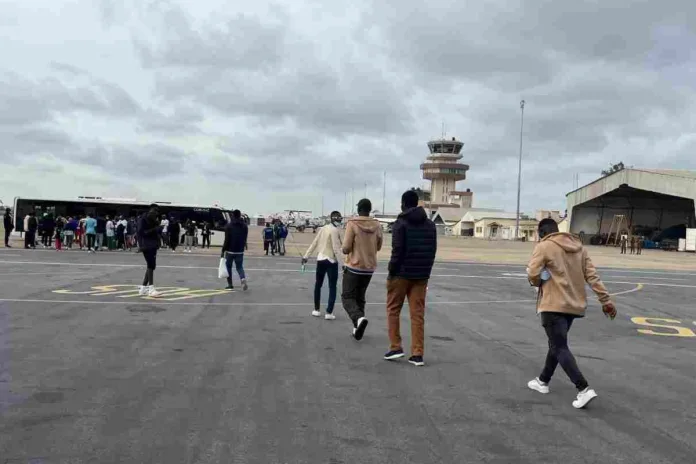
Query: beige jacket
pixel 327 243
pixel 361 242
pixel 570 267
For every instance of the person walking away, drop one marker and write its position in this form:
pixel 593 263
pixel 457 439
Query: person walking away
pixel 8 225
pixel 69 232
pixel 60 224
pixel 562 299
pixel 276 236
pixel 190 229
pixel 149 233
pixel 174 231
pixel 267 235
pixel 639 245
pixel 110 233
pixel 121 234
pixel 130 232
pixel 414 245
pixel 80 233
pixel 633 245
pixel 328 245
pixel 623 244
pixel 165 230
pixel 362 241
pixel 49 229
pixel 205 233
pixel 236 234
pixel 283 234
pixel 101 231
pixel 40 229
pixel 91 233
pixel 30 235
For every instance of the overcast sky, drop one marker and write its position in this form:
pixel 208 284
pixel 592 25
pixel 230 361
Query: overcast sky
pixel 267 106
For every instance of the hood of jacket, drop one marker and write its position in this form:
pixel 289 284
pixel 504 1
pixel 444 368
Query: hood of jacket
pixel 416 215
pixel 366 224
pixel 569 242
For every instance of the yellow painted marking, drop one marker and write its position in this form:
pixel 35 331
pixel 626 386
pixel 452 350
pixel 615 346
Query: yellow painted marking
pixel 677 331
pixel 162 290
pixel 185 295
pixel 132 291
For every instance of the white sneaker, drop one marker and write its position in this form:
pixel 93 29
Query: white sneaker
pixel 538 385
pixel 316 313
pixel 584 398
pixel 329 317
pixel 143 290
pixel 152 293
pixel 245 287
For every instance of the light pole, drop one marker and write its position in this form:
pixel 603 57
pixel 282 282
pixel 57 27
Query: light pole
pixel 519 174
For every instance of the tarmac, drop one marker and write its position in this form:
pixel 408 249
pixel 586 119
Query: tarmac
pixel 92 373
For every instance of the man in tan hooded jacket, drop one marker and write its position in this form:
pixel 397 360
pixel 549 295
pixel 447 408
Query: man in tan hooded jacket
pixel 560 267
pixel 361 242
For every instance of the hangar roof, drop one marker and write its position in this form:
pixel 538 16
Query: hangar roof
pixel 676 183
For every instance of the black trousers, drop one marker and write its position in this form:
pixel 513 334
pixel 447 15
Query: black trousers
pixel 326 268
pixel 91 240
pixel 30 239
pixel 7 236
pixel 206 239
pixel 557 326
pixel 353 295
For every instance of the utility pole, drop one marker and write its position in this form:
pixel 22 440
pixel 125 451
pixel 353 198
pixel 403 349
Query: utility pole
pixel 365 190
pixel 519 173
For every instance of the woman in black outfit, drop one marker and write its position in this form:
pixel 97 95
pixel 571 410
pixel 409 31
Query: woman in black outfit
pixel 174 231
pixel 149 231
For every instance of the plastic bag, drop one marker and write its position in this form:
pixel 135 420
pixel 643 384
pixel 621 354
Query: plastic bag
pixel 222 269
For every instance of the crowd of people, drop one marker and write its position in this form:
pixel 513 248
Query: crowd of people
pixel 104 233
pixel 559 269
pixel 274 235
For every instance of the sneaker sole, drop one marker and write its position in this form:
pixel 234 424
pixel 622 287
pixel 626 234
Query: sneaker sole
pixel 316 315
pixel 417 364
pixel 543 392
pixel 360 330
pixel 394 357
pixel 585 405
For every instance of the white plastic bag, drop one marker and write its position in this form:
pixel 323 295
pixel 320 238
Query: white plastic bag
pixel 222 269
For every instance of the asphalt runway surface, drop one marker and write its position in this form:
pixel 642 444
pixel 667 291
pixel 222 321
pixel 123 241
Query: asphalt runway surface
pixel 92 373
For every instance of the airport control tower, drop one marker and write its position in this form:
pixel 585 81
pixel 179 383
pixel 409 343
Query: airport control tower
pixel 443 169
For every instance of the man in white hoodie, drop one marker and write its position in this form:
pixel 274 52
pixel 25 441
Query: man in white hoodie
pixel 328 244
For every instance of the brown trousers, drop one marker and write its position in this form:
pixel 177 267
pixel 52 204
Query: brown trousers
pixel 397 292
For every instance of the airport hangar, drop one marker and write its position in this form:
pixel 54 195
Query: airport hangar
pixel 650 200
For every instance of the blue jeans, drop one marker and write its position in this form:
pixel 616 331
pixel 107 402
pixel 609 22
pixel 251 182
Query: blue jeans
pixel 324 268
pixel 238 261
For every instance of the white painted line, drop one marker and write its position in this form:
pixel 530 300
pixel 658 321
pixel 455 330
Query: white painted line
pixel 114 265
pixel 47 273
pixel 170 303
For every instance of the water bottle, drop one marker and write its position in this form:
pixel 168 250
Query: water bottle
pixel 304 267
pixel 545 275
